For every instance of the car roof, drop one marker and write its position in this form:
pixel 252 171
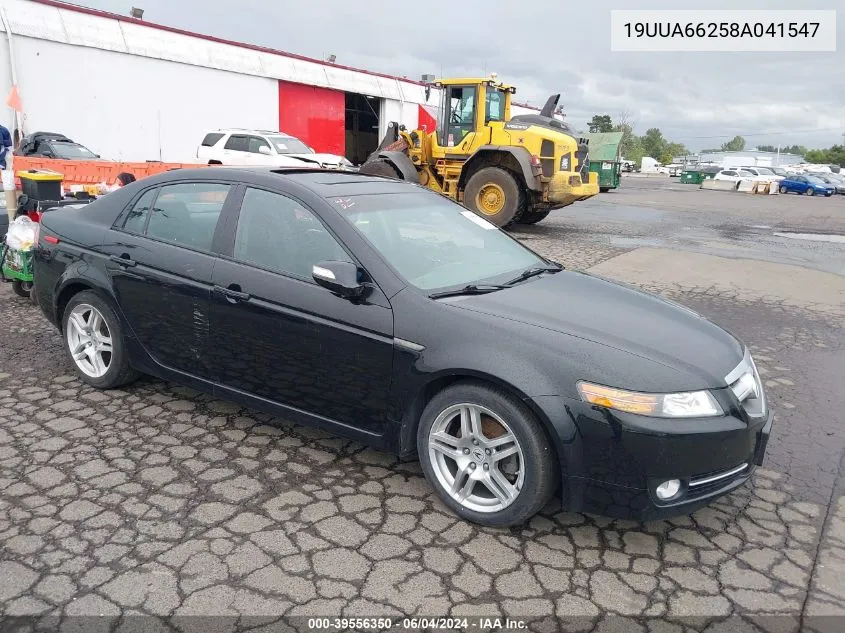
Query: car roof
pixel 239 130
pixel 323 182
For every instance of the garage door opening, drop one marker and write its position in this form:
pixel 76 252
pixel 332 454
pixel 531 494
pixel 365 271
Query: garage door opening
pixel 361 126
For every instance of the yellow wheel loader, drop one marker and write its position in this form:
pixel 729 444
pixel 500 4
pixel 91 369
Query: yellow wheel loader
pixel 507 169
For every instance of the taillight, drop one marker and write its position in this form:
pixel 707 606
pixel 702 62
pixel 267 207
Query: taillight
pixel 51 239
pixel 535 161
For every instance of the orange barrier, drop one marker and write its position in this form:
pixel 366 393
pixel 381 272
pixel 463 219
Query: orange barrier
pixel 85 172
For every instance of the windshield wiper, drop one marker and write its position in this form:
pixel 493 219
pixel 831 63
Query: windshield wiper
pixel 533 272
pixel 472 289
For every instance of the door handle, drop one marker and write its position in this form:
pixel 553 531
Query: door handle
pixel 123 260
pixel 233 293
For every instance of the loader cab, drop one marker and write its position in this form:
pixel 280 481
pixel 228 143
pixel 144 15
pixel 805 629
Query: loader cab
pixel 467 108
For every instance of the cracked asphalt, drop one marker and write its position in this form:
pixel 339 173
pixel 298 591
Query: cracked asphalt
pixel 160 501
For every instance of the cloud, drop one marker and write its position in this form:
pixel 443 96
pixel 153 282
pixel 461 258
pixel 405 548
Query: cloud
pixel 553 47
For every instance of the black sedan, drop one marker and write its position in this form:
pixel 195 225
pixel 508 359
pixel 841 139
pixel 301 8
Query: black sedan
pixel 382 311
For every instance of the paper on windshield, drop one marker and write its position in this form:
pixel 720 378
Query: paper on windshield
pixel 484 224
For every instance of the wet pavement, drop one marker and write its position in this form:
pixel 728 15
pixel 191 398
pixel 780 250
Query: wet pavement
pixel 159 501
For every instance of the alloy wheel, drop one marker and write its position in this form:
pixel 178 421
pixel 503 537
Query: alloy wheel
pixel 89 340
pixel 476 458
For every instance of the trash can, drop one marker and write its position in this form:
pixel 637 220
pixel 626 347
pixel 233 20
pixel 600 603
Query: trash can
pixel 41 184
pixel 607 173
pixel 691 177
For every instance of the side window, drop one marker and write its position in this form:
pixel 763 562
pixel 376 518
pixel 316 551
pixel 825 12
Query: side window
pixel 210 140
pixel 136 219
pixel 187 213
pixel 238 143
pixel 461 113
pixel 277 233
pixel 256 143
pixel 495 106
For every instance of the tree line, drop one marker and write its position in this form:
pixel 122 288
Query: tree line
pixel 654 144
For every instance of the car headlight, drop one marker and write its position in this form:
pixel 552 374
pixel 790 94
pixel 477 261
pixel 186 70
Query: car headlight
pixel 686 404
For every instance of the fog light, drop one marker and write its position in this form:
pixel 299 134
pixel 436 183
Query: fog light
pixel 668 489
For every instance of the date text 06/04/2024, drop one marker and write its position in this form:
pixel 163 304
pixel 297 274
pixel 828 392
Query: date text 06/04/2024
pixel 721 29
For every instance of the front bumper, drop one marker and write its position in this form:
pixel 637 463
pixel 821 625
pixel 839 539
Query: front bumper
pixel 612 462
pixel 559 192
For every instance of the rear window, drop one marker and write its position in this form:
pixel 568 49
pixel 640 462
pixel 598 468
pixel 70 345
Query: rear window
pixel 210 140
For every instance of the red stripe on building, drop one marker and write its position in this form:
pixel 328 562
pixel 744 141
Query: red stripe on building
pixel 315 115
pixel 427 118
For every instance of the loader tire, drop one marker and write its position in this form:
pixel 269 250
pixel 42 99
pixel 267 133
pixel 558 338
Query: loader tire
pixel 495 195
pixel 380 167
pixel 533 217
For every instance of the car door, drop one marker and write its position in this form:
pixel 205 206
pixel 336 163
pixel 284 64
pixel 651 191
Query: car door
pixel 236 150
pixel 161 262
pixel 282 338
pixel 259 151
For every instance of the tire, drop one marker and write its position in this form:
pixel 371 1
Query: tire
pixel 117 370
pixel 532 217
pixel 530 470
pixel 784 190
pixel 495 195
pixel 380 167
pixel 810 191
pixel 22 288
pixel 604 189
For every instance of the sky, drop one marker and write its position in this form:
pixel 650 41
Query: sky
pixel 699 99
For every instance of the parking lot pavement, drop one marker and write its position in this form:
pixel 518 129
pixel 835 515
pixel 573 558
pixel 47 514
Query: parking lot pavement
pixel 158 500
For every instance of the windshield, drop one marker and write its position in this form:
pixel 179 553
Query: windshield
pixel 289 145
pixel 764 170
pixel 815 180
pixel 742 172
pixel 71 151
pixel 434 243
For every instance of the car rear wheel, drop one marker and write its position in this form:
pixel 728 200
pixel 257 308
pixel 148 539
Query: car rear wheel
pixel 93 338
pixel 810 191
pixel 486 455
pixel 784 190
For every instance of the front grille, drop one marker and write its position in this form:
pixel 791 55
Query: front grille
pixel 744 381
pixel 703 485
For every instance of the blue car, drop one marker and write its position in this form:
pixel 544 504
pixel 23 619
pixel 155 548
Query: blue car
pixel 808 185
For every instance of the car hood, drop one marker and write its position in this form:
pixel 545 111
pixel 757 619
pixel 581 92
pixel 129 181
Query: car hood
pixel 618 316
pixel 332 160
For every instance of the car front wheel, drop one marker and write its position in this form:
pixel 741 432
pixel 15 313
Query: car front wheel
pixel 810 191
pixel 486 455
pixel 93 338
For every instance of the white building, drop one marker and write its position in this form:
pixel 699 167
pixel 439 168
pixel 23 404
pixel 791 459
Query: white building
pixel 750 158
pixel 135 91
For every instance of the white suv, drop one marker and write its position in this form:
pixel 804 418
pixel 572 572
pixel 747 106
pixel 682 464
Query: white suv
pixel 764 173
pixel 262 147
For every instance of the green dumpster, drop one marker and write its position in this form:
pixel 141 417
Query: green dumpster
pixel 608 173
pixel 691 177
pixel 605 161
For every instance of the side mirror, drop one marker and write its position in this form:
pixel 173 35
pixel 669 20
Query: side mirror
pixel 263 149
pixel 339 277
